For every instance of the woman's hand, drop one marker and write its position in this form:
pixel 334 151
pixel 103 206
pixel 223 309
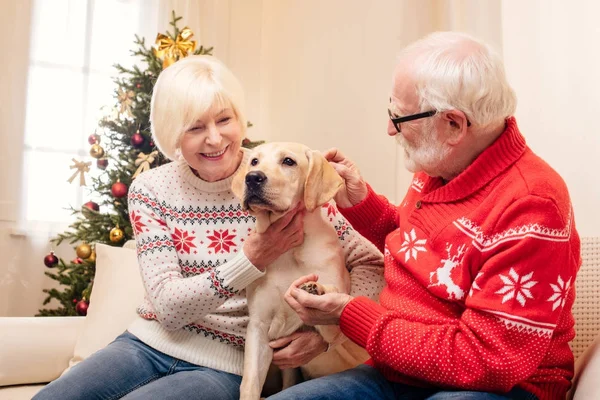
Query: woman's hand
pixel 297 349
pixel 355 189
pixel 285 233
pixel 312 309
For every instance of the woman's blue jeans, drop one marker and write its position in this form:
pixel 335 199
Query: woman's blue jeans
pixel 366 383
pixel 129 369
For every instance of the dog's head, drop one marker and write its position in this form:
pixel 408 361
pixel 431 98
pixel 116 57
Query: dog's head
pixel 280 175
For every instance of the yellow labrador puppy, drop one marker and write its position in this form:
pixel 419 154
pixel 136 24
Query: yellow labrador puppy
pixel 278 177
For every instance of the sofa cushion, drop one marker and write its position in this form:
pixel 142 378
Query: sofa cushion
pixel 116 294
pixel 587 371
pixel 19 392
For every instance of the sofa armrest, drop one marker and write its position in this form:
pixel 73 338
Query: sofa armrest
pixel 36 349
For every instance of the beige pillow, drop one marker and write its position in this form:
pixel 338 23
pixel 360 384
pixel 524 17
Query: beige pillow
pixel 117 292
pixel 587 372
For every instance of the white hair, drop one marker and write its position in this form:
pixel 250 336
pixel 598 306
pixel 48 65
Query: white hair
pixel 184 92
pixel 455 71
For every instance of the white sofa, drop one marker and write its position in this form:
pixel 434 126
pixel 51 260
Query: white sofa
pixel 34 351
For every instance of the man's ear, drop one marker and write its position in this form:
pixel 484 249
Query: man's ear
pixel 458 125
pixel 322 181
pixel 238 184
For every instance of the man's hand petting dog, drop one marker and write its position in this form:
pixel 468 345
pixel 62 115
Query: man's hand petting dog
pixel 287 232
pixel 314 309
pixel 297 349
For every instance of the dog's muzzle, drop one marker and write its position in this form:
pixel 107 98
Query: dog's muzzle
pixel 255 184
pixel 255 181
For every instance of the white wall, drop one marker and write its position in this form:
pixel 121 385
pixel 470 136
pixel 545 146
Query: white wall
pixel 319 72
pixel 14 28
pixel 551 51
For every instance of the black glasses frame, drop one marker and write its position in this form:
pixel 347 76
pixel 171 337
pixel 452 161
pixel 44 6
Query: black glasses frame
pixel 398 120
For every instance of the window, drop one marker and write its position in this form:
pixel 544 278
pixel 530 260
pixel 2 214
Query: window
pixel 74 45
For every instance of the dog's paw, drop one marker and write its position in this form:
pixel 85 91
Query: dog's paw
pixel 313 288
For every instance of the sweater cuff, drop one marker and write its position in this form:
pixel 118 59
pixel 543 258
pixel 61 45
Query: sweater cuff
pixel 362 215
pixel 238 273
pixel 358 319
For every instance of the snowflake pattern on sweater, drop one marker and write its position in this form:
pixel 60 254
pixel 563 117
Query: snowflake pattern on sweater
pixel 478 277
pixel 189 239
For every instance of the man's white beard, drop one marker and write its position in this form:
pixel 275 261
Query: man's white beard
pixel 426 155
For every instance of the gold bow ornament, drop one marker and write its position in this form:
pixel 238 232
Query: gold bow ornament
pixel 125 98
pixel 143 162
pixel 82 168
pixel 169 50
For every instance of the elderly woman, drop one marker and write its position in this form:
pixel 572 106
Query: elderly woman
pixel 197 252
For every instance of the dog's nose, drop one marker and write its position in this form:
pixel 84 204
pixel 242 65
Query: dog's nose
pixel 255 179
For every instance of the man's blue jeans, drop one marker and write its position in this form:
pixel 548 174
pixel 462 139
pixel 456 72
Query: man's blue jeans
pixel 366 383
pixel 129 369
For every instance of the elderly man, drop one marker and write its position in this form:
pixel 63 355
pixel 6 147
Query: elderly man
pixel 480 256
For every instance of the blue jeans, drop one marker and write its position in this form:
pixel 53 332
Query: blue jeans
pixel 129 369
pixel 366 383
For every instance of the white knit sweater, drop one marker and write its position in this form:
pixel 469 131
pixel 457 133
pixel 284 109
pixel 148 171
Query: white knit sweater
pixel 189 238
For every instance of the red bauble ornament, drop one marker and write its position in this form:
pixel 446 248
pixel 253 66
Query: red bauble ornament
pixel 92 206
pixel 93 139
pixel 119 189
pixel 137 140
pixel 77 260
pixel 151 143
pixel 81 307
pixel 138 85
pixel 75 301
pixel 102 163
pixel 51 260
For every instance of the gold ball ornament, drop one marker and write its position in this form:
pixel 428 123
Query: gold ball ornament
pixel 116 235
pixel 92 257
pixel 84 250
pixel 97 151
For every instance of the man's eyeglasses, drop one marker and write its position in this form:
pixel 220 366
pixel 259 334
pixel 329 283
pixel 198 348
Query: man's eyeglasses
pixel 398 120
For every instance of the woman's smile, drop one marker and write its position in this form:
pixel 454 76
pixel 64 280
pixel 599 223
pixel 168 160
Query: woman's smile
pixel 214 156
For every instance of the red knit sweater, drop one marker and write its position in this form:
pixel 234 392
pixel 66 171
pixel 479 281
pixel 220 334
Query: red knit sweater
pixel 479 277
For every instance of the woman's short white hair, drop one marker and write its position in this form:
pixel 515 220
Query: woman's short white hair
pixel 455 71
pixel 184 92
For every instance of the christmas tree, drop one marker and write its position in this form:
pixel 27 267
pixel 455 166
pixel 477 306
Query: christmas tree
pixel 123 148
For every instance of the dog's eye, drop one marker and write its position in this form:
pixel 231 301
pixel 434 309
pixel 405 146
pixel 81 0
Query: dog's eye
pixel 289 162
pixel 254 162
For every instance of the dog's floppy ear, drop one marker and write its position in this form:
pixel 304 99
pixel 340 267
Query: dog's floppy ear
pixel 322 181
pixel 239 183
